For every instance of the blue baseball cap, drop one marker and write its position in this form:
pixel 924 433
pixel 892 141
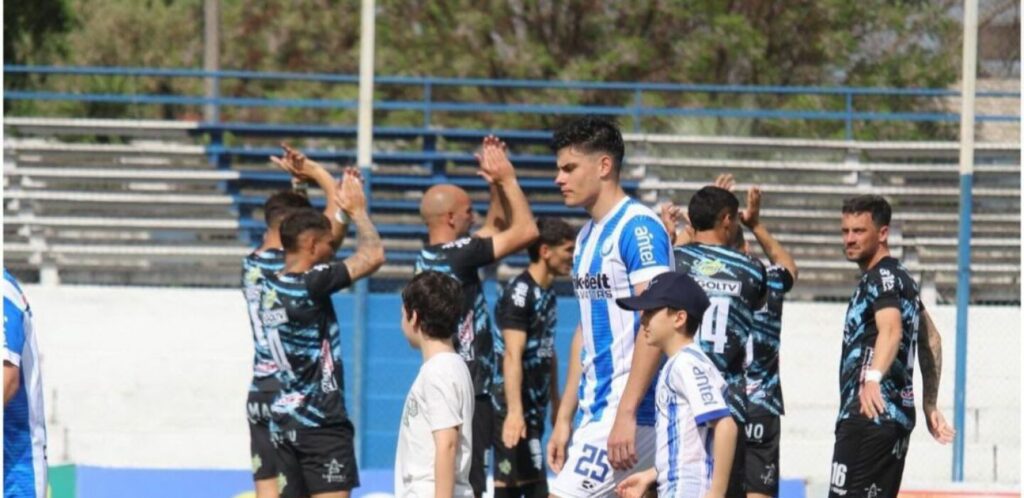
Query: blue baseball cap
pixel 670 290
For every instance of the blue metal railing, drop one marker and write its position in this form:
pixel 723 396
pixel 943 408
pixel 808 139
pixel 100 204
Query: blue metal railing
pixel 848 114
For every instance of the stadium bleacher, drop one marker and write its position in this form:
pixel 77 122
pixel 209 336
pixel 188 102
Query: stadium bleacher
pixel 96 201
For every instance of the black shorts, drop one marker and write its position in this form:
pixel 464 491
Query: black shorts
pixel 264 456
pixel 762 455
pixel 738 475
pixel 317 460
pixel 868 459
pixel 522 464
pixel 483 431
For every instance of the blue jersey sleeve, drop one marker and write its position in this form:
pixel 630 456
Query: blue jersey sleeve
pixel 645 249
pixel 14 332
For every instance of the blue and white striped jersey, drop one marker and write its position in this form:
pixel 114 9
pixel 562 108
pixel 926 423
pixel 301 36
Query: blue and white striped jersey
pixel 24 419
pixel 629 246
pixel 690 395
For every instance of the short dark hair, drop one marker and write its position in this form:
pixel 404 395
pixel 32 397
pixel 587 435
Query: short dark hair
pixel 881 211
pixel 437 300
pixel 707 204
pixel 553 232
pixel 280 204
pixel 591 134
pixel 299 221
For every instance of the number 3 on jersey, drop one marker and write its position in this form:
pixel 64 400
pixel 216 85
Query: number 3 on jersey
pixel 712 329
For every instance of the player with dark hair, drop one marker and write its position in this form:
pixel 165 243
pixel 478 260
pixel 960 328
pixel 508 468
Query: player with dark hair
pixel 311 429
pixel 527 377
pixel 618 251
pixel 736 285
pixel 448 214
pixel 436 433
pixel 764 392
pixel 876 373
pixel 267 259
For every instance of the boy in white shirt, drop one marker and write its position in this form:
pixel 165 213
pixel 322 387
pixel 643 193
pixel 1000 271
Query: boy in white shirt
pixel 436 433
pixel 695 434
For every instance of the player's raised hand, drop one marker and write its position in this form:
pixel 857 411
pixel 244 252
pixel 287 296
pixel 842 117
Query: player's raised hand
pixel 495 166
pixel 556 446
pixel 725 181
pixel 513 430
pixel 622 443
pixel 751 216
pixel 937 425
pixel 350 195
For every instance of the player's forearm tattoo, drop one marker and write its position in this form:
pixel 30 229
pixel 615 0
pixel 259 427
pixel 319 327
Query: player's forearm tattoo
pixel 930 358
pixel 369 253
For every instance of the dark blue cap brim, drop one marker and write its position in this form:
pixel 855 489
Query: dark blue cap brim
pixel 643 302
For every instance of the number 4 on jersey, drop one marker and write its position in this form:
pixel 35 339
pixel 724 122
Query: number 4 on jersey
pixel 712 329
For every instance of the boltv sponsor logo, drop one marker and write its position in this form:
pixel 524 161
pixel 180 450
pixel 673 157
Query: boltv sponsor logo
pixel 714 286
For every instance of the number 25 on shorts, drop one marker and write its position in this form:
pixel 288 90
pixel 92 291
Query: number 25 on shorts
pixel 593 463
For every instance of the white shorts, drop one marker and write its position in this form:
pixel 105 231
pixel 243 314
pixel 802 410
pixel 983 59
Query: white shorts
pixel 587 472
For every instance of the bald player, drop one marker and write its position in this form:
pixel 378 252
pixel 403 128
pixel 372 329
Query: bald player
pixel 509 227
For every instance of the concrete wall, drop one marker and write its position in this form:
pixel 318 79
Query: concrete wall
pixel 141 377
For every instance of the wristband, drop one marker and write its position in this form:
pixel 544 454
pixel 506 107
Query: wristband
pixel 873 376
pixel 342 217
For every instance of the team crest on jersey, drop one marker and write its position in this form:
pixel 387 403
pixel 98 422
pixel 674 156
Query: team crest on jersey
pixel 607 247
pixel 252 275
pixel 270 298
pixel 708 267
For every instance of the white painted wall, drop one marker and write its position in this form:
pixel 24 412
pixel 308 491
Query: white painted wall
pixel 143 377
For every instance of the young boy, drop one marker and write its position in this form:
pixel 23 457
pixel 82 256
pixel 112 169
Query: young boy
pixel 436 433
pixel 696 436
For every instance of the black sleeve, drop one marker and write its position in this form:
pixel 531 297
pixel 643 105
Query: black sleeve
pixel 780 274
pixel 885 288
pixel 762 291
pixel 513 308
pixel 471 253
pixel 324 280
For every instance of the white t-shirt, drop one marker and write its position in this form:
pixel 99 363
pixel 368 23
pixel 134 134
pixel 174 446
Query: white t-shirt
pixel 441 397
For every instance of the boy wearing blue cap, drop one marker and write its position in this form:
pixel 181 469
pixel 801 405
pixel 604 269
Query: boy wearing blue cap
pixel 696 436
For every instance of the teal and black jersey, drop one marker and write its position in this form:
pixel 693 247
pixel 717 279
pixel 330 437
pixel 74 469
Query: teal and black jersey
pixel 302 330
pixel 764 391
pixel 524 305
pixel 463 259
pixel 736 285
pixel 887 285
pixel 255 267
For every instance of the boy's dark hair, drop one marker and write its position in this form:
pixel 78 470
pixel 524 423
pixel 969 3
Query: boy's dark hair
pixel 591 134
pixel 707 206
pixel 881 211
pixel 692 323
pixel 299 221
pixel 280 204
pixel 553 232
pixel 437 300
